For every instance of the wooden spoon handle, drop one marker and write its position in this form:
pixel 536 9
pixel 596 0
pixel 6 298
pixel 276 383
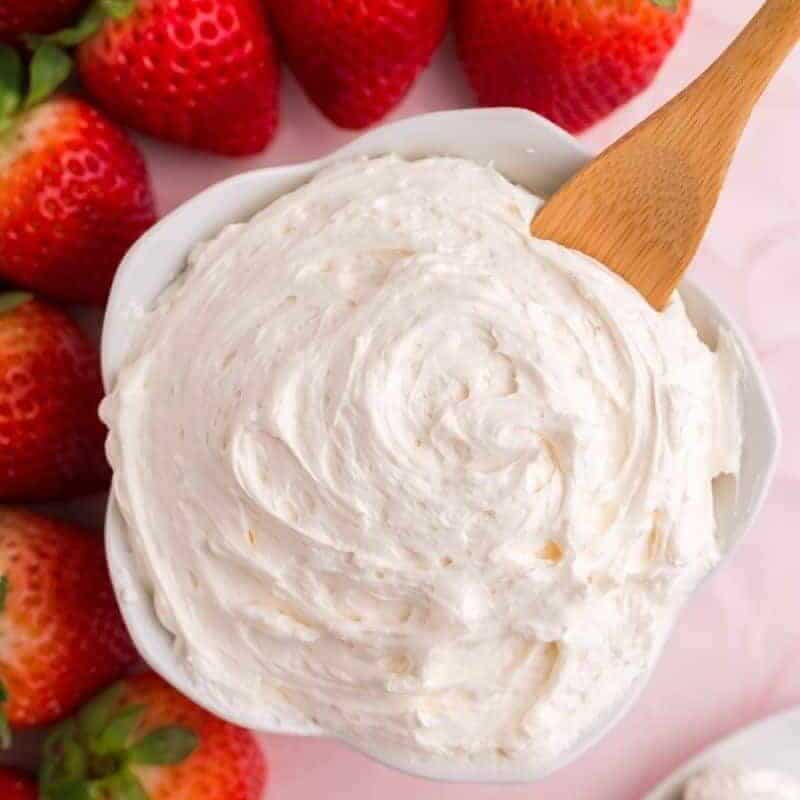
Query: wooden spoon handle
pixel 724 95
pixel 642 206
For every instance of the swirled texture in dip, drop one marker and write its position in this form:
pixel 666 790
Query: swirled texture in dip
pixel 395 471
pixel 725 783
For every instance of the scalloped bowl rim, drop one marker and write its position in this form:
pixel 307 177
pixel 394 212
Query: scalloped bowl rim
pixel 529 150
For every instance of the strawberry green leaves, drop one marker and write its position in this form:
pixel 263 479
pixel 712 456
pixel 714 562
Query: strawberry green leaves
pixel 86 27
pixel 163 746
pixel 126 786
pixel 93 756
pixel 50 64
pixel 8 302
pixel 114 737
pixel 11 77
pixel 50 67
pixel 97 713
pixel 118 9
pixel 5 730
pixel 669 5
pixel 63 770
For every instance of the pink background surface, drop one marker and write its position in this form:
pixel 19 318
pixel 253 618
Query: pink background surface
pixel 735 655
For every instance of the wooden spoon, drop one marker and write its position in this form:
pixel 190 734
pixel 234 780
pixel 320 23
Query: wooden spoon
pixel 642 206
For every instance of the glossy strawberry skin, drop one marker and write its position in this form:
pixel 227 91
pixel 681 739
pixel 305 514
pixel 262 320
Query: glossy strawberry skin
pixel 62 634
pixel 51 438
pixel 74 196
pixel 573 61
pixel 36 16
pixel 16 785
pixel 201 73
pixel 228 763
pixel 357 59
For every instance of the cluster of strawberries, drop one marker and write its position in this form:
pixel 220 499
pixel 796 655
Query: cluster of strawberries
pixel 62 638
pixel 73 191
pixel 74 195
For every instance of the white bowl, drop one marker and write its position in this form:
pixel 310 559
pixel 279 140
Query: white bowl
pixel 771 743
pixel 530 151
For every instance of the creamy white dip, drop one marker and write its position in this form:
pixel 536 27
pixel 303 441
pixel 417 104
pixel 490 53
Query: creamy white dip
pixel 395 471
pixel 723 783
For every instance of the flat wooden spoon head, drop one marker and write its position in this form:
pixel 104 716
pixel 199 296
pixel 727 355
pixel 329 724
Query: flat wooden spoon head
pixel 642 206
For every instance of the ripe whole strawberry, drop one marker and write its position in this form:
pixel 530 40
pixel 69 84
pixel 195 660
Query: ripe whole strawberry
pixel 61 634
pixel 35 16
pixel 74 195
pixel 51 438
pixel 16 785
pixel 357 59
pixel 142 739
pixel 202 74
pixel 573 61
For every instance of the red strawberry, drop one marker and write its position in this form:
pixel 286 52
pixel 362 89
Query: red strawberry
pixel 16 785
pixel 51 439
pixel 357 59
pixel 61 634
pixel 155 744
pixel 36 16
pixel 74 195
pixel 202 74
pixel 573 61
